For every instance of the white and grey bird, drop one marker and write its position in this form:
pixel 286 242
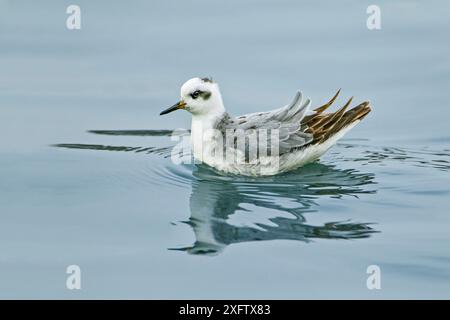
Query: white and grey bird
pixel 282 139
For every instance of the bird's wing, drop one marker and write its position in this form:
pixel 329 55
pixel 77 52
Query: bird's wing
pixel 295 128
pixel 286 120
pixel 292 112
pixel 323 125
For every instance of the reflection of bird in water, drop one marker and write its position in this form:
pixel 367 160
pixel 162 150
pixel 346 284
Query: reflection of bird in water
pixel 215 198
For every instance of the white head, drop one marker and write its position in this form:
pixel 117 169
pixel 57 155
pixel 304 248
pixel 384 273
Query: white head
pixel 199 96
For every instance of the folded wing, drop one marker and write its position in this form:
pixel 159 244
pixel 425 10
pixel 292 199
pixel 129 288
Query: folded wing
pixel 295 128
pixel 323 125
pixel 286 120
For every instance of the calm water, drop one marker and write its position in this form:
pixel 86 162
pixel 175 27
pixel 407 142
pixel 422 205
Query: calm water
pixel 139 226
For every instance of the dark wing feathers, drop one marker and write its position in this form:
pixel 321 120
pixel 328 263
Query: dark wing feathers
pixel 329 103
pixel 297 130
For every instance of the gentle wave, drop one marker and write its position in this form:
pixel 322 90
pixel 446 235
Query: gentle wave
pixel 217 198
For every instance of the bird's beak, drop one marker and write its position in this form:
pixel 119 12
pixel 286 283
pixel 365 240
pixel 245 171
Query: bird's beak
pixel 179 105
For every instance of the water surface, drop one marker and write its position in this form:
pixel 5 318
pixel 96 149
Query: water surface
pixel 86 176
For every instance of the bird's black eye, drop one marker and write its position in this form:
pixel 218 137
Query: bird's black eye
pixel 195 94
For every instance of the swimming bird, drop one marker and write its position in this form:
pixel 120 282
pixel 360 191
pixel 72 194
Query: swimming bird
pixel 261 143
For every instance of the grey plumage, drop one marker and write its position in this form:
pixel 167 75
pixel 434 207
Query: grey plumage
pixel 287 120
pixel 269 142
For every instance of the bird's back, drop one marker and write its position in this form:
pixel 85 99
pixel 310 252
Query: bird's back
pixel 302 136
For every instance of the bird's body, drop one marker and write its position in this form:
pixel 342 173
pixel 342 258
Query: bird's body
pixel 262 143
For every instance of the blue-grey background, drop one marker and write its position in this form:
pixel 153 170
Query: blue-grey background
pixel 116 214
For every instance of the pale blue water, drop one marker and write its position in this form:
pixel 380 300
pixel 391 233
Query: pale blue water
pixel 116 205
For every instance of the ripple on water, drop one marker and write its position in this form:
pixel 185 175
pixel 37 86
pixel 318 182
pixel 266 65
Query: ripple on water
pixel 217 199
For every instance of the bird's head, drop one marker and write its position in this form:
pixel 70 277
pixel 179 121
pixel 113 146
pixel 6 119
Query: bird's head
pixel 199 96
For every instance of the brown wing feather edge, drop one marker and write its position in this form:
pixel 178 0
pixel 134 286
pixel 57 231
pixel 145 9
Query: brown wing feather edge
pixel 324 125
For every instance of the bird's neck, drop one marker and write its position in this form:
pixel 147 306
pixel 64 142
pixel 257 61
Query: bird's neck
pixel 203 130
pixel 209 120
